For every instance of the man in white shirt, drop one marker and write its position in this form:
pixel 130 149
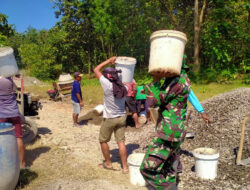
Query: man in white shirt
pixel 114 114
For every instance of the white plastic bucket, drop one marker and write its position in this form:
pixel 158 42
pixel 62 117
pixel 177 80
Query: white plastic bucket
pixel 134 161
pixel 206 160
pixel 142 119
pixel 166 51
pixel 8 66
pixel 99 109
pixel 127 66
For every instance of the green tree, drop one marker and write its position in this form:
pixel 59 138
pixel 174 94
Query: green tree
pixel 5 29
pixel 225 38
pixel 41 54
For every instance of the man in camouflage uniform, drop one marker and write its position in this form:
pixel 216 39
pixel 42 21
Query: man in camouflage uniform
pixel 161 162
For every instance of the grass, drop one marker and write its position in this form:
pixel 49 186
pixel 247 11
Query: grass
pixel 205 91
pixel 93 94
pixel 41 91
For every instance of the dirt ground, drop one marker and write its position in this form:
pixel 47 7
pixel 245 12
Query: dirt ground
pixel 64 157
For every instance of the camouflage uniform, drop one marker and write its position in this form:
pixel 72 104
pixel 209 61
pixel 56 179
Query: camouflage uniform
pixel 161 162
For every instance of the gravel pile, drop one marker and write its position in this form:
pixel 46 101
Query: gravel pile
pixel 29 81
pixel 227 112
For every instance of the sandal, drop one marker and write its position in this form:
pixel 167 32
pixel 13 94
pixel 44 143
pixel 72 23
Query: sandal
pixel 125 171
pixel 103 165
pixel 77 126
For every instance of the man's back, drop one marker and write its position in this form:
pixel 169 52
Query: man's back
pixel 113 107
pixel 8 105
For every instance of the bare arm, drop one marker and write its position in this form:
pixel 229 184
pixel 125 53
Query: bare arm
pixel 98 68
pixel 80 99
pixel 205 117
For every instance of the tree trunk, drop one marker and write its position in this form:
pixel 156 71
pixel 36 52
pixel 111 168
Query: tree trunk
pixel 196 36
pixel 103 49
pixel 197 28
pixel 89 65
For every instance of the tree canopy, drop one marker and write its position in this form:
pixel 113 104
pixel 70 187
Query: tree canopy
pixel 89 31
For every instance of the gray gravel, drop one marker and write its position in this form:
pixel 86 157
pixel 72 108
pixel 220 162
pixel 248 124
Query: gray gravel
pixel 227 112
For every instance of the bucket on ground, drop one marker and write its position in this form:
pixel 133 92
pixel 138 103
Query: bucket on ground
pixel 134 161
pixel 8 66
pixel 98 109
pixel 206 160
pixel 166 52
pixel 142 119
pixel 127 66
pixel 9 159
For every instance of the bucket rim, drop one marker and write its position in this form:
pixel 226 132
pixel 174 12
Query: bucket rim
pixel 172 33
pixel 131 162
pixel 124 60
pixel 5 51
pixel 5 127
pixel 214 153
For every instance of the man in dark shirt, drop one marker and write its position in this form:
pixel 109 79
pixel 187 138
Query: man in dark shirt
pixel 76 97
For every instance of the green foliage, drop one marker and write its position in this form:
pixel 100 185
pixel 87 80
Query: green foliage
pixel 246 79
pixel 5 30
pixel 143 77
pixel 91 31
pixel 39 54
pixel 225 38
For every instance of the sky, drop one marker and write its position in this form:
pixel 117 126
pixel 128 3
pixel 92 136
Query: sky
pixel 38 14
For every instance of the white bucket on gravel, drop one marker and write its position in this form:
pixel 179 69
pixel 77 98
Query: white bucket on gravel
pixel 127 66
pixel 8 66
pixel 134 161
pixel 206 160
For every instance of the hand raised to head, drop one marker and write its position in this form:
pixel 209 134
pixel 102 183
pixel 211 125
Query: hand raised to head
pixel 112 60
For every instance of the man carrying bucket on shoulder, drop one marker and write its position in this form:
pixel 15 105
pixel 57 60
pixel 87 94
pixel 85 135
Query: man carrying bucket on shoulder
pixel 114 113
pixel 160 164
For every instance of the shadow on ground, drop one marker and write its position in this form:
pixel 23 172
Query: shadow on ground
pixel 44 131
pixel 33 154
pixel 115 155
pixel 90 118
pixel 40 131
pixel 25 177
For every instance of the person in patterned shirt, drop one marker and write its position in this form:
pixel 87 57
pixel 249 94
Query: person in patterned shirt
pixel 160 164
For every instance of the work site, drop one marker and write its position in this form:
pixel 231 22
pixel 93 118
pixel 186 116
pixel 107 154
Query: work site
pixel 124 95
